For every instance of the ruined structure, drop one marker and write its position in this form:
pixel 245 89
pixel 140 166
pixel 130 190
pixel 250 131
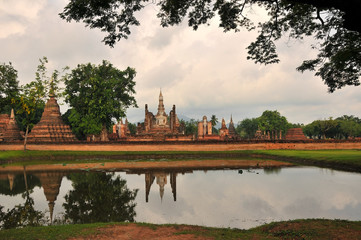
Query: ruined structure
pixel 295 134
pixel 204 129
pixel 228 133
pixel 51 127
pixel 223 131
pixel 9 130
pixel 121 130
pixel 161 127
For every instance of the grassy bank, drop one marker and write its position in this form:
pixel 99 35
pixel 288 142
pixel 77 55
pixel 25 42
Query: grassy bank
pixel 338 159
pixel 296 229
pixel 34 157
pixel 349 160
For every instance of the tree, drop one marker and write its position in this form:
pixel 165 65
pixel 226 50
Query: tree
pixel 9 86
pixel 132 128
pixel 214 121
pixel 99 197
pixel 247 128
pixel 273 122
pixel 97 94
pixel 30 102
pixel 334 24
pixel 190 127
pixel 349 126
pixel 322 129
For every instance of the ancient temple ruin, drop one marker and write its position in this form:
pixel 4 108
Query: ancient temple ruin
pixel 121 130
pixel 295 134
pixel 51 127
pixel 228 133
pixel 9 130
pixel 160 127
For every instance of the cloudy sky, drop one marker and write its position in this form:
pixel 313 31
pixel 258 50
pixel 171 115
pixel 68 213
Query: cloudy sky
pixel 202 73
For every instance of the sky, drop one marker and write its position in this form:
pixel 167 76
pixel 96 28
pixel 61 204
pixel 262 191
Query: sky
pixel 203 72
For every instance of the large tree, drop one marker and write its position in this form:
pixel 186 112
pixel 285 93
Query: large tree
pixel 9 86
pixel 273 123
pixel 98 94
pixel 247 128
pixel 334 24
pixel 30 101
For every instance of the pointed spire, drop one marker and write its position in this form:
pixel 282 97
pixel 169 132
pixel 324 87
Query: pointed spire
pixel 160 104
pixel 51 90
pixel 12 116
pixel 231 119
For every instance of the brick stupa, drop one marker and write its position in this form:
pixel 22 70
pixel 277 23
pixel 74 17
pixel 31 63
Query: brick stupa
pixel 9 128
pixel 12 132
pixel 295 134
pixel 51 127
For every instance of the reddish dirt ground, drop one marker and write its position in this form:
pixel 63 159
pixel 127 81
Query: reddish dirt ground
pixel 133 231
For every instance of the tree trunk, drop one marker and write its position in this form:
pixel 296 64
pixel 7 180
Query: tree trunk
pixel 26 137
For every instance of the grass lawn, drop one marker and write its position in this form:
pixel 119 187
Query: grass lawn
pixel 338 159
pixel 351 158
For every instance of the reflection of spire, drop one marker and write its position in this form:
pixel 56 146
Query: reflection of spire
pixel 51 210
pixel 50 182
pixel 149 179
pixel 11 181
pixel 161 181
pixel 173 184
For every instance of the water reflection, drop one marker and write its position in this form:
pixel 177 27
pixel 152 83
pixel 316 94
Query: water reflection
pixel 222 196
pixel 99 197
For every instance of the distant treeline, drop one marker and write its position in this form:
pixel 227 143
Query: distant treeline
pixel 344 127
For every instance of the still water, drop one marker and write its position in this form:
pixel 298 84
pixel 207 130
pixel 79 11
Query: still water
pixel 220 197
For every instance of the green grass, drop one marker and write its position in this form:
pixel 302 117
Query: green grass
pixel 332 156
pixel 338 159
pixel 52 232
pixel 65 157
pixel 294 229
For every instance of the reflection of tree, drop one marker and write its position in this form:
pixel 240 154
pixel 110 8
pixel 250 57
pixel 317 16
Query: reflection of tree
pixel 21 215
pixel 99 197
pixel 15 184
pixel 272 170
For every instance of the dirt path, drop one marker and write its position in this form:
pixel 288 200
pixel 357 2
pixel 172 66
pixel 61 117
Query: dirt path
pixel 318 229
pixel 133 231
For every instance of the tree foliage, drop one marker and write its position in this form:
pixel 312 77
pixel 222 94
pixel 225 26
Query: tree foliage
pixel 334 24
pixel 190 127
pixel 30 102
pixel 9 86
pixel 97 94
pixel 99 197
pixel 273 122
pixel 21 215
pixel 214 121
pixel 247 128
pixel 344 127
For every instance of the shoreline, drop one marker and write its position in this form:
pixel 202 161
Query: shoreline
pixel 228 146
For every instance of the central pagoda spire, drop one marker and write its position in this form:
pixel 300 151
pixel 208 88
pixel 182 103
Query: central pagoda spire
pixel 160 104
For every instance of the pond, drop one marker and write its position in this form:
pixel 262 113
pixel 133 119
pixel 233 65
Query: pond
pixel 236 196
